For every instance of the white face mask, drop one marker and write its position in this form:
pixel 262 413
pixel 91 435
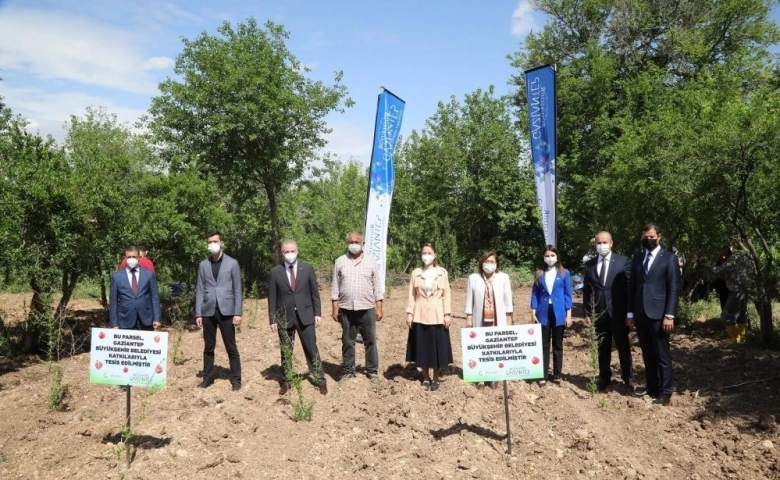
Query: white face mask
pixel 214 248
pixel 603 249
pixel 551 261
pixel 488 267
pixel 355 248
pixel 290 257
pixel 427 259
pixel 132 262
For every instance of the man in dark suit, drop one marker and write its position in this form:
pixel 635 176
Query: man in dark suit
pixel 604 301
pixel 134 300
pixel 218 305
pixel 294 306
pixel 653 293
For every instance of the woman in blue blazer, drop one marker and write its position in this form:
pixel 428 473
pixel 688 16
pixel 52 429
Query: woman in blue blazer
pixel 551 303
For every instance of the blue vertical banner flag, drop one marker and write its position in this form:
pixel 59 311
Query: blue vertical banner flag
pixel 540 86
pixel 381 178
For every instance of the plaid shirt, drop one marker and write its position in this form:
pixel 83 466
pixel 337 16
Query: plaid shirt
pixel 356 283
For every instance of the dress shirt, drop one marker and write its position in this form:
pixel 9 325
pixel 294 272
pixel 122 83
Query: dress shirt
pixel 356 283
pixel 654 253
pixel 130 274
pixel 603 262
pixel 287 270
pixel 549 280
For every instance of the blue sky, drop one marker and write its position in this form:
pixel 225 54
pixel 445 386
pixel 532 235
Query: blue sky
pixel 59 56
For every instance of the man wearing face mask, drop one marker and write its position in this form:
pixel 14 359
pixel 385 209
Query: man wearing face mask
pixel 604 301
pixel 653 292
pixel 134 301
pixel 294 306
pixel 218 305
pixel 357 304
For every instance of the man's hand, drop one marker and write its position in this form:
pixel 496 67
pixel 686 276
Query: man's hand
pixel 156 325
pixel 667 325
pixel 379 313
pixel 533 317
pixel 568 321
pixel 199 322
pixel 470 320
pixel 509 319
pixel 274 327
pixel 630 324
pixel 317 321
pixel 409 320
pixel 236 320
pixel 447 321
pixel 335 316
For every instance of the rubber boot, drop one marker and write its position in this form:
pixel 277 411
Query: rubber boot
pixel 741 333
pixel 731 330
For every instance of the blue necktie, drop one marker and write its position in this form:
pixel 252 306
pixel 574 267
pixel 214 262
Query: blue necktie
pixel 647 262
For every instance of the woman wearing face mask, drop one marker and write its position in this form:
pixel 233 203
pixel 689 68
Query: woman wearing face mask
pixel 428 316
pixel 551 303
pixel 488 297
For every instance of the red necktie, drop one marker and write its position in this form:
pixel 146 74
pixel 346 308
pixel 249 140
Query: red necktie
pixel 292 278
pixel 134 283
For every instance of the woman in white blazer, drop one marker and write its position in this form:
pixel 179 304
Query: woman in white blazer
pixel 488 296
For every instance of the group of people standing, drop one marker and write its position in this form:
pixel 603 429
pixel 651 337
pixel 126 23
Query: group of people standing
pixel 619 296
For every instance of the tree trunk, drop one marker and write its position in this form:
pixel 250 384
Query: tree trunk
pixel 102 282
pixel 69 282
pixel 270 191
pixel 34 328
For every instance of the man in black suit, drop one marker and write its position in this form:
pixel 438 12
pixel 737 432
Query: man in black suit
pixel 294 306
pixel 653 292
pixel 604 300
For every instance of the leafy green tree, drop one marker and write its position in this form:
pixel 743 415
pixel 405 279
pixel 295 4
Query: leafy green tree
pixel 244 111
pixel 319 211
pixel 665 113
pixel 460 183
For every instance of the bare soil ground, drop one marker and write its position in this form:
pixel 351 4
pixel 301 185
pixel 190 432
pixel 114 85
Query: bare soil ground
pixel 713 429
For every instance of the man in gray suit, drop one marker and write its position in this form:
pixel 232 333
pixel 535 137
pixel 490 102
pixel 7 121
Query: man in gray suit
pixel 294 306
pixel 218 305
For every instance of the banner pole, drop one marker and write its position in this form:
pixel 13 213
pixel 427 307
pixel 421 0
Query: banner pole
pixel 127 425
pixel 506 411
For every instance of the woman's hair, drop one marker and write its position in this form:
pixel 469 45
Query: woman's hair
pixel 433 247
pixel 484 258
pixel 542 267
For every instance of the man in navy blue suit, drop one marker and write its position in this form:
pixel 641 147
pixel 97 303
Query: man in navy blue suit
pixel 654 287
pixel 134 300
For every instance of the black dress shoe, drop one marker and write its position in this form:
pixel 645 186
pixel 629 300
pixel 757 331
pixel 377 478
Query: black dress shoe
pixel 639 393
pixel 323 389
pixel 206 383
pixel 602 385
pixel 663 400
pixel 236 387
pixel 284 389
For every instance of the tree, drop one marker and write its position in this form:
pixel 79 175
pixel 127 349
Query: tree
pixel 665 112
pixel 244 111
pixel 460 183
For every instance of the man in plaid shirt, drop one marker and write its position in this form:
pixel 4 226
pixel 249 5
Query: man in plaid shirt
pixel 357 305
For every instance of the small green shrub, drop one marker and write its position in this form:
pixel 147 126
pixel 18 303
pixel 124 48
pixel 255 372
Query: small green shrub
pixel 57 389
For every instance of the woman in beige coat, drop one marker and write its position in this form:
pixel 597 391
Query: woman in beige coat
pixel 428 316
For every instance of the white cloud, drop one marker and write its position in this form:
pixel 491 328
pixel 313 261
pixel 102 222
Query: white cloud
pixel 348 140
pixel 158 63
pixel 48 112
pixel 59 46
pixel 522 18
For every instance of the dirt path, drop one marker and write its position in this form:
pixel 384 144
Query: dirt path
pixel 400 431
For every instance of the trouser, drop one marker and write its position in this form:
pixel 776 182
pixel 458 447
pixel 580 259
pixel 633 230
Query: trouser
pixel 352 322
pixel 554 335
pixel 656 354
pixel 607 330
pixel 308 336
pixel 735 308
pixel 228 332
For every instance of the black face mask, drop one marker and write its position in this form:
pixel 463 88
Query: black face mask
pixel 649 243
